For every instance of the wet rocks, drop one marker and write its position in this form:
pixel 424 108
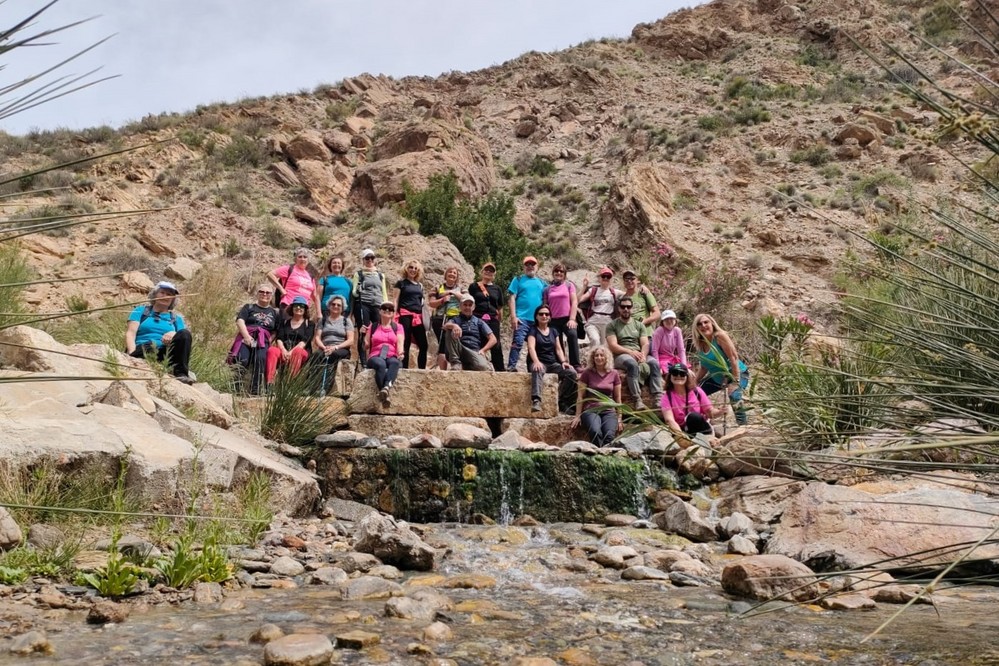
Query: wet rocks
pixel 686 520
pixel 393 543
pixel 421 604
pixel 106 612
pixel 357 639
pixel 464 436
pixel 286 566
pixel 370 587
pixel 769 577
pixel 32 642
pixel 298 650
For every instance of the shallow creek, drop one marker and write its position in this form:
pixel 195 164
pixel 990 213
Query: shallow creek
pixel 545 603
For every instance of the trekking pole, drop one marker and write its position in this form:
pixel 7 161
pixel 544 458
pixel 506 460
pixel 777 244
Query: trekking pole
pixel 322 385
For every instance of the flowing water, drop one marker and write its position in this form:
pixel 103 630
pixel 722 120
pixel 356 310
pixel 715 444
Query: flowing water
pixel 546 601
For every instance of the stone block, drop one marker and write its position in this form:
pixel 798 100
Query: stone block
pixel 407 426
pixel 556 431
pixel 455 394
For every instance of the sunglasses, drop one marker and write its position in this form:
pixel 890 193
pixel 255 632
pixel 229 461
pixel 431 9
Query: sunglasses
pixel 624 307
pixel 605 277
pixel 263 291
pixel 388 309
pixel 544 314
pixel 631 278
pixel 302 256
pixel 488 270
pixel 703 322
pixel 682 375
pixel 558 272
pixel 369 258
pixel 336 304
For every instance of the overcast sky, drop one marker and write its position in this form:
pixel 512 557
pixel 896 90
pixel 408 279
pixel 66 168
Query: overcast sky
pixel 172 55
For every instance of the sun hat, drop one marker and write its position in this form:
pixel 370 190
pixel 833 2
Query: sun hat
pixel 299 300
pixel 488 265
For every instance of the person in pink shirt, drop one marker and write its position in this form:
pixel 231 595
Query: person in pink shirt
pixel 561 299
pixel 685 406
pixel 384 343
pixel 598 380
pixel 296 280
pixel 667 342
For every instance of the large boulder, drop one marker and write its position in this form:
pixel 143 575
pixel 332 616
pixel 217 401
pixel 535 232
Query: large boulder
pixel 418 151
pixel 686 520
pixel 851 527
pixel 328 185
pixel 393 543
pixel 762 499
pixel 556 431
pixel 455 393
pixel 308 145
pixel 767 577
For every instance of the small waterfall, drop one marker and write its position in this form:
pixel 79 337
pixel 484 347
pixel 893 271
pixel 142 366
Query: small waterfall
pixel 505 515
pixel 643 480
pixel 713 510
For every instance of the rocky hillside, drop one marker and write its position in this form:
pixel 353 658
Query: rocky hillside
pixel 685 134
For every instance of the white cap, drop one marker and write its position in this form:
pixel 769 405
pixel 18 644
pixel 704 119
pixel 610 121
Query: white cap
pixel 466 297
pixel 667 314
pixel 367 252
pixel 167 285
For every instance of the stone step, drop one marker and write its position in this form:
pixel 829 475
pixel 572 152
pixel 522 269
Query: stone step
pixel 557 431
pixel 455 393
pixel 380 426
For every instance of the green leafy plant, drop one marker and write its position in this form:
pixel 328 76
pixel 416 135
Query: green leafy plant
pixel 115 579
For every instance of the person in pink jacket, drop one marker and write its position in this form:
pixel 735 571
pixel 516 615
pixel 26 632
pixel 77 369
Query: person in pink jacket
pixel 667 342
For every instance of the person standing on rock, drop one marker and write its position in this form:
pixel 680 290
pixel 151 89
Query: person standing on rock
pixel 667 342
pixel 156 330
pixel 489 308
pixel 598 382
pixel 409 299
pixel 446 303
pixel 626 339
pixel 561 298
pixel 544 351
pixel 720 365
pixel 370 291
pixel 334 338
pixel 644 306
pixel 384 339
pixel 294 336
pixel 602 304
pixel 296 280
pixel 334 283
pixel 256 325
pixel 526 294
pixel 468 339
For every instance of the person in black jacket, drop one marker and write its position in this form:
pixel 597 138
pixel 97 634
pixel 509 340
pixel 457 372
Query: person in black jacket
pixel 489 308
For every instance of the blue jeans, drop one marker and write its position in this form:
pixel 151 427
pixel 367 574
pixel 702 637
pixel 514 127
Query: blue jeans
pixel 602 426
pixel 386 370
pixel 712 384
pixel 519 336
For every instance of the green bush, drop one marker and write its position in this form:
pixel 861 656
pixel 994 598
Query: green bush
pixel 243 151
pixel 13 271
pixel 816 156
pixel 482 230
pixel 292 414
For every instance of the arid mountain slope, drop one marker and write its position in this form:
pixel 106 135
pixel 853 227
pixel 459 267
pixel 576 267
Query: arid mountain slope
pixel 684 134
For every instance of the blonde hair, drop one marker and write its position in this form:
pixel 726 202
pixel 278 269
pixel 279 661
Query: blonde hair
pixel 591 364
pixel 701 342
pixel 457 274
pixel 419 270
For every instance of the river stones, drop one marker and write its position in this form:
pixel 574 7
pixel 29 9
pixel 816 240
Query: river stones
pixel 106 612
pixel 393 543
pixel 370 587
pixel 207 593
pixel 266 633
pixel 32 642
pixel 767 577
pixel 421 604
pixel 299 650
pixel 357 639
pixel 287 566
pixel 686 520
pixel 437 632
pixel 740 545
pixel 328 576
pixel 10 532
pixel 643 573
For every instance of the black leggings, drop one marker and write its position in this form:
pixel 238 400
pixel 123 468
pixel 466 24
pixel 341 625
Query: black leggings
pixel 177 353
pixel 411 334
pixel 496 351
pixel 571 337
pixel 364 315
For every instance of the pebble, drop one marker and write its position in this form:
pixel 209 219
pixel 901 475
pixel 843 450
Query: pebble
pixel 104 612
pixel 266 633
pixel 30 643
pixel 437 632
pixel 643 573
pixel 298 650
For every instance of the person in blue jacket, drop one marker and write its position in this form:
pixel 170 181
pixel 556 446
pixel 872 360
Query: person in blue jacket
pixel 157 330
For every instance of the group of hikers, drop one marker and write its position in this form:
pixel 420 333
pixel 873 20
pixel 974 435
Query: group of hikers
pixel 301 319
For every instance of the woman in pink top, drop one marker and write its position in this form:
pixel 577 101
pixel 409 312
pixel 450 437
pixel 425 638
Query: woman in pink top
pixel 296 280
pixel 667 342
pixel 384 343
pixel 561 298
pixel 600 379
pixel 686 408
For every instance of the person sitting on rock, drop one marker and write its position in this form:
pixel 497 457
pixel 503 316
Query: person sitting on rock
pixel 157 330
pixel 598 383
pixel 628 343
pixel 256 325
pixel 685 406
pixel 544 350
pixel 667 342
pixel 384 342
pixel 294 335
pixel 334 338
pixel 468 339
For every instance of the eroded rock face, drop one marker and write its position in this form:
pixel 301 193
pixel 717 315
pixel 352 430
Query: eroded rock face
pixel 835 526
pixel 415 153
pixel 393 543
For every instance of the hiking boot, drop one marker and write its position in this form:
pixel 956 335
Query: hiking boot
pixel 640 406
pixel 536 405
pixel 383 395
pixel 186 379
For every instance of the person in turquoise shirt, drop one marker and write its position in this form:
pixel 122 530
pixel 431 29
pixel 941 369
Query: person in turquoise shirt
pixel 156 330
pixel 334 283
pixel 720 365
pixel 526 294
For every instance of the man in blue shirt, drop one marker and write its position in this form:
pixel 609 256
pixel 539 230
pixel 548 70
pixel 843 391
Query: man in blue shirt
pixel 526 292
pixel 155 329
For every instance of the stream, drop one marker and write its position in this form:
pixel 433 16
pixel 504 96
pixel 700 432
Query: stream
pixel 540 597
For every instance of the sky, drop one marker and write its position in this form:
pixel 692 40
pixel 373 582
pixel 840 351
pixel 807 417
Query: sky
pixel 172 55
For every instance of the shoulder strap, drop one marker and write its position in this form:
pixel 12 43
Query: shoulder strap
pixel 395 326
pixel 284 282
pixel 147 312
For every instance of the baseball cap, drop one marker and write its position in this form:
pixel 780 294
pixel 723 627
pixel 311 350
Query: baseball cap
pixel 465 298
pixel 529 259
pixel 299 300
pixel 667 314
pixel 629 273
pixel 606 271
pixel 488 264
pixel 367 252
pixel 167 285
